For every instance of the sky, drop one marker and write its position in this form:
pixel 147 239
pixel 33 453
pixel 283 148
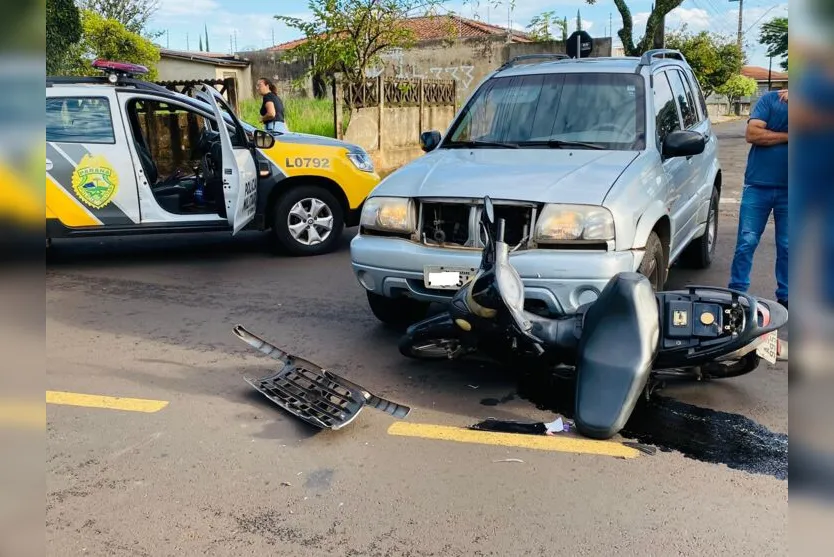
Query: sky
pixel 240 25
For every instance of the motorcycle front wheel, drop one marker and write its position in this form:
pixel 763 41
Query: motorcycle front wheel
pixel 430 348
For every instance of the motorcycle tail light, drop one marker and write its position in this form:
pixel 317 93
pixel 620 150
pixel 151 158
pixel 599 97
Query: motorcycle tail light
pixel 764 315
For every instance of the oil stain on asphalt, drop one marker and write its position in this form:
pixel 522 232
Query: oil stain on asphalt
pixel 670 425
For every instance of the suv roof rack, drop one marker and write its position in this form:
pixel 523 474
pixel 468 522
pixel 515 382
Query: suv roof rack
pixel 646 59
pixel 524 57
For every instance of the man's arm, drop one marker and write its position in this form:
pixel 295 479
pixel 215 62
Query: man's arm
pixel 758 134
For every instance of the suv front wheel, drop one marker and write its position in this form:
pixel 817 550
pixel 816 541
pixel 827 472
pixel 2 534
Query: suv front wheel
pixel 397 312
pixel 653 265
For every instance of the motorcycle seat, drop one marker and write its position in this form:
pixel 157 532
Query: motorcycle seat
pixel 619 342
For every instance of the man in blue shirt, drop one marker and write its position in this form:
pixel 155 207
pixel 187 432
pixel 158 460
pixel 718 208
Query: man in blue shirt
pixel 765 191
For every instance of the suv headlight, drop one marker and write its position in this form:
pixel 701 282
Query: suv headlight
pixel 361 160
pixel 389 214
pixel 565 223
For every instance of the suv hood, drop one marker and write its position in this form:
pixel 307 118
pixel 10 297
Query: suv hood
pixel 538 175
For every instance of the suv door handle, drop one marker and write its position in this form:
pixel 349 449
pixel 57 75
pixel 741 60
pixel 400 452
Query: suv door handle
pixel 48 165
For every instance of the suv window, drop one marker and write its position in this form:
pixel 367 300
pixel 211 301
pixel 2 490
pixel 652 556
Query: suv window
pixel 685 98
pixel 699 93
pixel 604 109
pixel 79 120
pixel 666 111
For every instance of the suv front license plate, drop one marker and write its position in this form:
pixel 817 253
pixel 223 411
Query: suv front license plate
pixel 446 278
pixel 768 349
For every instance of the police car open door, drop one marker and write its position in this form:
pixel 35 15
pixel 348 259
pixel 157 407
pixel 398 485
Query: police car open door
pixel 240 173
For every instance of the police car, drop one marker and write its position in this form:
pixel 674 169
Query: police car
pixel 127 156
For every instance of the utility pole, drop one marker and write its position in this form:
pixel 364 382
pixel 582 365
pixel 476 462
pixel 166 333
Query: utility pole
pixel 187 44
pixel 769 74
pixel 167 38
pixel 740 23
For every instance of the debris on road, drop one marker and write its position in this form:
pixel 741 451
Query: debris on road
pixel 559 425
pixel 473 386
pixel 647 449
pixel 286 484
pixel 317 396
pixel 509 460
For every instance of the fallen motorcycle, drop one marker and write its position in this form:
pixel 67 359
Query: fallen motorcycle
pixel 623 345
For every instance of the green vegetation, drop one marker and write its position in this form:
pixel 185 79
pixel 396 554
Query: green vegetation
pixel 737 87
pixel 313 116
pixel 63 29
pixel 108 39
pixel 713 58
pixel 774 36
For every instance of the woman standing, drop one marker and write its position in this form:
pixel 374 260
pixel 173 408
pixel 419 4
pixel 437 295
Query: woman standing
pixel 272 109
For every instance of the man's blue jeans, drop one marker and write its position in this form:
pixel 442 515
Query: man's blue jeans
pixel 756 205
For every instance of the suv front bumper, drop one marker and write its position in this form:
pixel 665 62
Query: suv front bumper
pixel 561 281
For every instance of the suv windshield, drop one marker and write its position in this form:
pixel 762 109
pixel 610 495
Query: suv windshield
pixel 563 110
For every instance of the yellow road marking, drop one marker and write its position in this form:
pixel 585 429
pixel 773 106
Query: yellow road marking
pixel 22 414
pixel 559 443
pixel 108 402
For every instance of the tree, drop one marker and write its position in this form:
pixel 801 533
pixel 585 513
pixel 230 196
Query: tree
pixel 713 58
pixel 208 49
pixel 349 35
pixel 737 87
pixel 111 40
pixel 63 29
pixel 133 14
pixel 578 21
pixel 774 35
pixel 540 25
pixel 659 11
pixel 201 43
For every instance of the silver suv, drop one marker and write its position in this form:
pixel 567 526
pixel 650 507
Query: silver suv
pixel 598 166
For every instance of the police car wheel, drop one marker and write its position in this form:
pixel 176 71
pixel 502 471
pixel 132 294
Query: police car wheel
pixel 307 221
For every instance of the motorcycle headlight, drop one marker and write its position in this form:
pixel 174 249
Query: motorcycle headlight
pixel 565 223
pixel 389 214
pixel 361 160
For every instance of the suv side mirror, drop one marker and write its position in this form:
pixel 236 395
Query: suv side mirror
pixel 683 143
pixel 263 140
pixel 429 140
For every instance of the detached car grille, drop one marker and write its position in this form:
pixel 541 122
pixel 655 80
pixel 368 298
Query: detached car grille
pixel 456 224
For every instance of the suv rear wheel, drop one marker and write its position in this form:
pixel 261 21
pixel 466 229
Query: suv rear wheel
pixel 700 253
pixel 397 312
pixel 307 220
pixel 653 265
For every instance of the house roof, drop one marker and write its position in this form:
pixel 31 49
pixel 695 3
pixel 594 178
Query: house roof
pixel 760 74
pixel 427 28
pixel 213 58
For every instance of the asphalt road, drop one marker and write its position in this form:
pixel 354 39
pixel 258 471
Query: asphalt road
pixel 220 471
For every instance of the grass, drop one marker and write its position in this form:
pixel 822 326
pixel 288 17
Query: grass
pixel 313 116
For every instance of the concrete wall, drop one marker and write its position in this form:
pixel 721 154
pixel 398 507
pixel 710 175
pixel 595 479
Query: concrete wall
pixel 467 61
pixel 171 69
pixel 282 70
pixel 396 141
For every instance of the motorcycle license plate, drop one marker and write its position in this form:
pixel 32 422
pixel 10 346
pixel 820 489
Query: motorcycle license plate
pixel 446 278
pixel 768 349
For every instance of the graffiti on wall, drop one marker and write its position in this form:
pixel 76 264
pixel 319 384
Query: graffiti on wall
pixel 395 58
pixel 461 74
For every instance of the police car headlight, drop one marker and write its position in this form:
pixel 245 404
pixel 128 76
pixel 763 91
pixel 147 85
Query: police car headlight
pixel 389 214
pixel 565 223
pixel 361 160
